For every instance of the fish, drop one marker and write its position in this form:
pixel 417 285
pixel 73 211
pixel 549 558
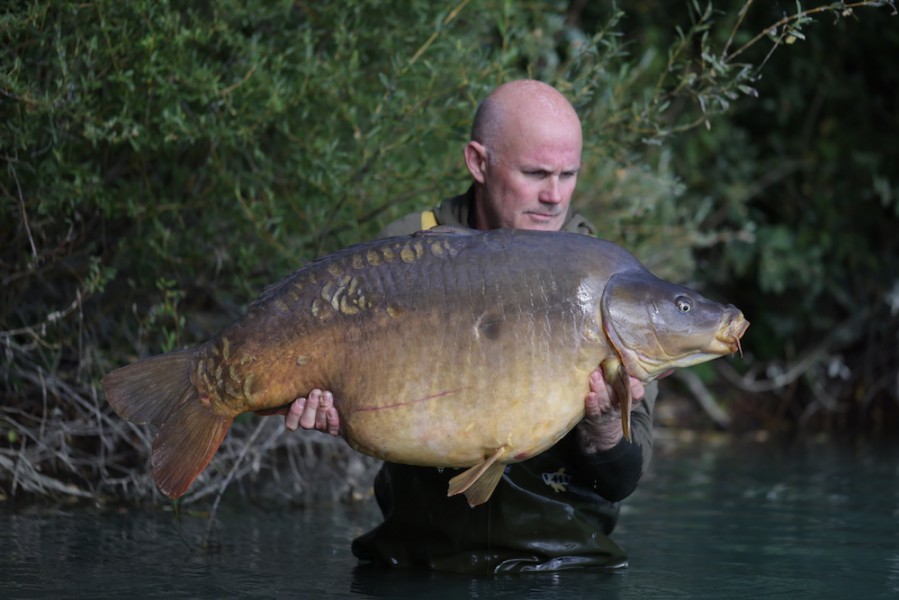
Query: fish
pixel 447 348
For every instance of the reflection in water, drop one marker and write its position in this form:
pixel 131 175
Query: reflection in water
pixel 713 519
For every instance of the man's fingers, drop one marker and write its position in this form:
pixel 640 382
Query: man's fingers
pixel 317 411
pixel 637 391
pixel 602 398
pixel 292 420
pixel 307 418
pixel 591 405
pixel 333 421
pixel 597 383
pixel 322 414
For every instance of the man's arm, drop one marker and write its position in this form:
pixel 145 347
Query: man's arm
pixel 615 464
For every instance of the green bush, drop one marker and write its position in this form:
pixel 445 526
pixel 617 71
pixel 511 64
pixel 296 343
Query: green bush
pixel 810 169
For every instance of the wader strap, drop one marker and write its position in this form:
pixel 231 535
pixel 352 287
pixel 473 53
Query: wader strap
pixel 428 220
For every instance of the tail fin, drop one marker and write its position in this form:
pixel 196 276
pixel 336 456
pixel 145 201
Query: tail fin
pixel 158 391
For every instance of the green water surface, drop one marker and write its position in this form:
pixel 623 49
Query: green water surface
pixel 715 518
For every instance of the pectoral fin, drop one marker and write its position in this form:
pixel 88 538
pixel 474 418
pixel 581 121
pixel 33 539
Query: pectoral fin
pixel 478 482
pixel 616 375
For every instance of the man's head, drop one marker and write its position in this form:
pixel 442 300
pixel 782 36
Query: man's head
pixel 524 156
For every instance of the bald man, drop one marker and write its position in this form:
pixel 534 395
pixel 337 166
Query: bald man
pixel 554 511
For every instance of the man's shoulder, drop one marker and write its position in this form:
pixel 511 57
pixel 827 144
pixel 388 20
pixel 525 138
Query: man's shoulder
pixel 456 211
pixel 403 226
pixel 578 223
pixel 452 211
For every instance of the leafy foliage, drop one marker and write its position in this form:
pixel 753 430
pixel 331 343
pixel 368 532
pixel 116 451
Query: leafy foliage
pixel 809 170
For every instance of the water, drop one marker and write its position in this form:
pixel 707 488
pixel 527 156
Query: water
pixel 714 519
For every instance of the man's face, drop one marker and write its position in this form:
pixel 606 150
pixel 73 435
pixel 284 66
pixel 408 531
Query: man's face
pixel 529 179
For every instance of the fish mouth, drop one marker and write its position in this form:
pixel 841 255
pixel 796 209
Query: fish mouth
pixel 729 335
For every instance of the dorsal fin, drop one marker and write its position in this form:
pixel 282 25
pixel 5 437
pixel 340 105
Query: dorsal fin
pixel 448 229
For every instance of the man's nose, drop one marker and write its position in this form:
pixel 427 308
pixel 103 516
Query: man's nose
pixel 551 192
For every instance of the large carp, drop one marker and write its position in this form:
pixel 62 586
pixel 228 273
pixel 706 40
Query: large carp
pixel 446 348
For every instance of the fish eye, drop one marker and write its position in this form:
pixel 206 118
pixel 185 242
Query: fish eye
pixel 684 304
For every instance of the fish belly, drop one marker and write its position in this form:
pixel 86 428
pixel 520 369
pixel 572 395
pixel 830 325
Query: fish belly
pixel 455 396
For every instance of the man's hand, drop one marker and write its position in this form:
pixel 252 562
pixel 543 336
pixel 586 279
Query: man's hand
pixel 600 429
pixel 315 412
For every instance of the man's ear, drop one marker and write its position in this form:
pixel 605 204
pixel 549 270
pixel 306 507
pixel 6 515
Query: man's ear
pixel 476 160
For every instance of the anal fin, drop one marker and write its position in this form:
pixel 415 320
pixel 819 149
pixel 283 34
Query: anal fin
pixel 478 482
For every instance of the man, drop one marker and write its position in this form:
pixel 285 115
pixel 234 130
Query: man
pixel 553 511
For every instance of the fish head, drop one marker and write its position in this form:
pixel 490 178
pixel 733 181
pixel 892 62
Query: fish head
pixel 656 326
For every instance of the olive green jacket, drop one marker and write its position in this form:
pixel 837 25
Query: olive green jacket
pixel 459 210
pixel 554 511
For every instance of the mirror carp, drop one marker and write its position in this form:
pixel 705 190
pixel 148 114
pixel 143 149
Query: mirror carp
pixel 445 348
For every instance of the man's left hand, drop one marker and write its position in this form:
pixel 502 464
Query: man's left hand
pixel 600 429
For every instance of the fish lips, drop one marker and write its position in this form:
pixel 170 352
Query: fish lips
pixel 733 329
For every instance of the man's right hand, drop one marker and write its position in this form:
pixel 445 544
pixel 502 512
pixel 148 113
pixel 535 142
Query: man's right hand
pixel 314 412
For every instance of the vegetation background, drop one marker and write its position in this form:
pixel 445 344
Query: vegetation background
pixel 165 161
